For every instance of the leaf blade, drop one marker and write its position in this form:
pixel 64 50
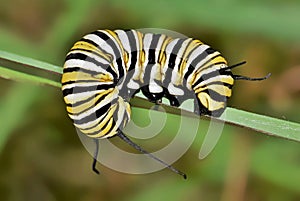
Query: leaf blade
pixel 264 124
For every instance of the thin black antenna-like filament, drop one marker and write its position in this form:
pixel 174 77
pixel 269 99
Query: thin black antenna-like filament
pixel 240 77
pixel 140 149
pixel 95 157
pixel 236 65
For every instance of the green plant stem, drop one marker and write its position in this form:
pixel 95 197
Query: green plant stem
pixel 263 124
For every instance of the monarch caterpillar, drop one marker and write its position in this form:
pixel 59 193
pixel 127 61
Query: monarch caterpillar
pixel 106 68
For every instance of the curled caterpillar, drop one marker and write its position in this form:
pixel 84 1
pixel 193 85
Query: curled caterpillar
pixel 106 68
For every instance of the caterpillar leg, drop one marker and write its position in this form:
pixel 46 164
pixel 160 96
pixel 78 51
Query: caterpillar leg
pixel 172 99
pixel 95 157
pixel 152 97
pixel 140 149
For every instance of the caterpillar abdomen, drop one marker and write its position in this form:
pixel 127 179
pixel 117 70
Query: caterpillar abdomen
pixel 106 68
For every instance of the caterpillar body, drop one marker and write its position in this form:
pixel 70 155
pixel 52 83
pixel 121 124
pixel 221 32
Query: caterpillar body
pixel 106 68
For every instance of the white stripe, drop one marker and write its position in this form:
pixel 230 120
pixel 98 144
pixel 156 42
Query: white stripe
pixel 168 50
pixel 120 50
pixel 133 85
pixel 138 48
pixel 212 79
pixel 90 124
pixel 148 37
pixel 175 77
pixel 120 113
pixel 174 90
pixel 156 70
pixel 126 45
pixel 211 69
pixel 102 44
pixel 85 84
pixel 87 65
pixel 195 53
pixel 109 98
pixel 92 55
pixel 124 39
pixel 73 98
pixel 199 65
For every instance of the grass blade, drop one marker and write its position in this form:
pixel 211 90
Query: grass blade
pixel 256 122
pixel 26 62
pixel 263 124
pixel 23 77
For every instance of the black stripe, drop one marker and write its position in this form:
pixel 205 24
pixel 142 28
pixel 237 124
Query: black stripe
pixel 151 58
pixel 94 115
pixel 103 128
pixel 90 51
pixel 134 59
pixel 104 109
pixel 215 95
pixel 209 60
pixel 217 63
pixel 80 89
pixel 85 57
pixel 91 42
pixel 80 102
pixel 97 101
pixel 221 83
pixel 105 125
pixel 198 59
pixel 79 69
pixel 184 52
pixel 133 48
pixel 114 120
pixel 98 47
pixel 174 53
pixel 171 61
pixel 152 48
pixel 117 53
pixel 210 51
pixel 80 81
pixel 206 76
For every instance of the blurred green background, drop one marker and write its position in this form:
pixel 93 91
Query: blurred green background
pixel 42 157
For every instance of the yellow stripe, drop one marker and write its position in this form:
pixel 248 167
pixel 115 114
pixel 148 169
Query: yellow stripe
pixel 76 75
pixel 123 52
pixel 193 44
pixel 140 48
pixel 128 108
pixel 162 55
pixel 82 45
pixel 209 64
pixel 115 36
pixel 218 59
pixel 99 126
pixel 104 77
pixel 209 103
pixel 225 79
pixel 106 130
pixel 228 80
pixel 112 132
pixel 88 104
pixel 220 89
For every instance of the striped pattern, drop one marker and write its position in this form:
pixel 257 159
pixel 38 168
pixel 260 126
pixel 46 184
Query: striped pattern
pixel 106 68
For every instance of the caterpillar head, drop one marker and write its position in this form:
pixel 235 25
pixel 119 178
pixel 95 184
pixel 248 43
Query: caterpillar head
pixel 211 98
